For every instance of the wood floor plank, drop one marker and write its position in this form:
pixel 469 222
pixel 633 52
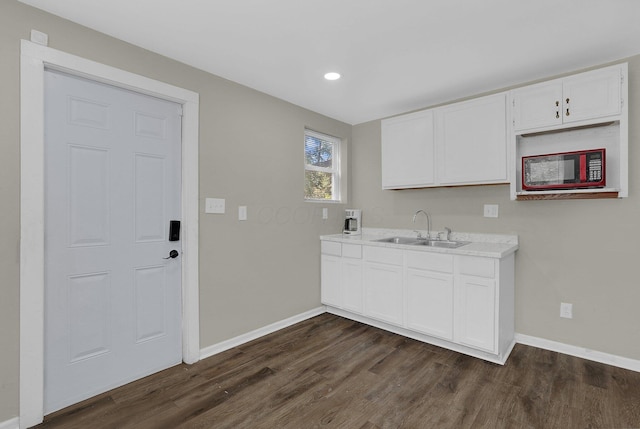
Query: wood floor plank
pixel 330 372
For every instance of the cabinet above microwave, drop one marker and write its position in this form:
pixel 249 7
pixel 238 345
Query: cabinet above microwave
pixel 582 112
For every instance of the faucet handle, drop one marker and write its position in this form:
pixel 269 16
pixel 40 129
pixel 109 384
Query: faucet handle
pixel 448 231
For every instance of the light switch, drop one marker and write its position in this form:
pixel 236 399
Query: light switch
pixel 491 210
pixel 242 212
pixel 325 213
pixel 214 205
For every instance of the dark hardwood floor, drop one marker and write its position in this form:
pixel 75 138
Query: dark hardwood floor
pixel 335 373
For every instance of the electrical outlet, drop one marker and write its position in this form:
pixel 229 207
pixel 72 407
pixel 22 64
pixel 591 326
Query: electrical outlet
pixel 325 213
pixel 491 210
pixel 566 310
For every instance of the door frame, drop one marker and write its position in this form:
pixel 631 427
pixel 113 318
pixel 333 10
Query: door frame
pixel 34 59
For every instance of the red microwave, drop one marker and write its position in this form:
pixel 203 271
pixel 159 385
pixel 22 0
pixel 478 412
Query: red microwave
pixel 566 170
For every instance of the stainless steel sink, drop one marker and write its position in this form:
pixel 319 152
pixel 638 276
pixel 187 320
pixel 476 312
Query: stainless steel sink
pixel 397 240
pixel 447 244
pixel 441 243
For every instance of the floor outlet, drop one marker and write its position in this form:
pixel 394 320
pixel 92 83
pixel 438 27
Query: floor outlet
pixel 566 310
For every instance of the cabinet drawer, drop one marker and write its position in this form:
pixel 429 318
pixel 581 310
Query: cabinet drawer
pixel 430 261
pixel 331 248
pixel 352 251
pixel 383 255
pixel 477 266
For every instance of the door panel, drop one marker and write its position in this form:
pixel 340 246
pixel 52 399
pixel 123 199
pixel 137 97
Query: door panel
pixel 112 184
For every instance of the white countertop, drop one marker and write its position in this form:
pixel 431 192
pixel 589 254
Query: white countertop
pixel 486 245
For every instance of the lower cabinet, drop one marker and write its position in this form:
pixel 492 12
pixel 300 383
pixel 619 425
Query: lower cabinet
pixel 476 315
pixel 429 306
pixel 383 292
pixel 330 280
pixel 352 286
pixel 457 301
pixel 341 276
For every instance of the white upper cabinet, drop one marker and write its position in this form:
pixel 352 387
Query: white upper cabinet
pixel 408 151
pixel 537 106
pixel 459 144
pixel 592 95
pixel 471 141
pixel 574 113
pixel 583 97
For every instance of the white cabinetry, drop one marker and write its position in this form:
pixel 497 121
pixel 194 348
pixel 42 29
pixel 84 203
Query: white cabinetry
pixel 461 302
pixel 383 284
pixel 472 141
pixel 331 273
pixel 467 146
pixel 476 302
pixel 341 276
pixel 429 294
pixel 586 96
pixel 352 286
pixel 408 151
pixel 579 112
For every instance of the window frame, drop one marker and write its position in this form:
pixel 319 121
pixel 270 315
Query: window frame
pixel 338 191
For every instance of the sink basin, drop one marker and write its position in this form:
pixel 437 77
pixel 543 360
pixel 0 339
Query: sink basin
pixel 397 240
pixel 447 244
pixel 441 243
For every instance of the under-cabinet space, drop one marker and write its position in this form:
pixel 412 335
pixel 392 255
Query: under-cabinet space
pixel 607 136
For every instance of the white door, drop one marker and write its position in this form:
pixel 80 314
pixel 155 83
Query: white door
pixel 112 303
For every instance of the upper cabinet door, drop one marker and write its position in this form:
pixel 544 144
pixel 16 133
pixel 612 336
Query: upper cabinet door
pixel 586 96
pixel 592 95
pixel 538 106
pixel 408 151
pixel 472 141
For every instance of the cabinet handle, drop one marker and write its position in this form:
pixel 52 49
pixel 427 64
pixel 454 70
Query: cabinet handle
pixel 557 103
pixel 567 101
pixel 567 112
pixel 557 114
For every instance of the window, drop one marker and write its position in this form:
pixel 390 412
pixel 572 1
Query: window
pixel 321 167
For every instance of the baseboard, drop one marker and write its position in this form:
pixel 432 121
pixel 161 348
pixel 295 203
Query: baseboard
pixel 593 355
pixel 596 356
pixel 260 332
pixel 13 423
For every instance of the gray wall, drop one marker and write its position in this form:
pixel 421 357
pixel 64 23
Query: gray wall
pixel 266 269
pixel 579 251
pixel 252 273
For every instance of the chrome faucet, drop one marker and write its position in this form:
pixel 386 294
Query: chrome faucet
pixel 447 235
pixel 428 224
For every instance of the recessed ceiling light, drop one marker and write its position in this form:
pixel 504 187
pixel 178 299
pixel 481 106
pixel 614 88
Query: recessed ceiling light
pixel 332 76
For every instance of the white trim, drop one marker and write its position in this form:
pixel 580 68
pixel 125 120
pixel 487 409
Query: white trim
pixel 594 355
pixel 34 59
pixel 260 332
pixel 13 423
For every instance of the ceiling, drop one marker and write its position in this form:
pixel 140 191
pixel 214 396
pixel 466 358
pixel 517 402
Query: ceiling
pixel 394 55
